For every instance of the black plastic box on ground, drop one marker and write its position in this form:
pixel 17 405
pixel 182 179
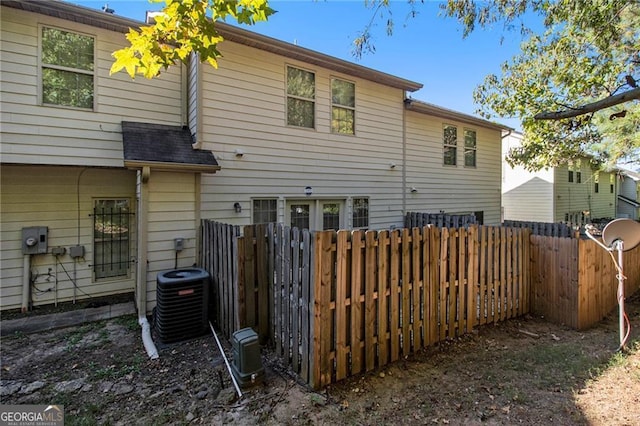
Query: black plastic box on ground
pixel 247 364
pixel 182 303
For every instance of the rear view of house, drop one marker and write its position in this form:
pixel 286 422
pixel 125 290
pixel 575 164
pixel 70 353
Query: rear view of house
pixel 105 179
pixel 103 222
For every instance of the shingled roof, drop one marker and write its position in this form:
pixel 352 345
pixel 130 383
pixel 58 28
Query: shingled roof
pixel 166 147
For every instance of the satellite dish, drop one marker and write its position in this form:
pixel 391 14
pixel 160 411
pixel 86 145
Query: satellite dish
pixel 625 230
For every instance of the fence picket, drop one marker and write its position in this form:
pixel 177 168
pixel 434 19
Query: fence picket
pixel 462 282
pixel 383 293
pixel 369 301
pixel 342 247
pixel 444 293
pixel 405 291
pixel 453 284
pixel 285 244
pixel 279 295
pixel 434 284
pixel 394 291
pixel 472 278
pixel 357 317
pixel 306 327
pixel 294 248
pixel 416 288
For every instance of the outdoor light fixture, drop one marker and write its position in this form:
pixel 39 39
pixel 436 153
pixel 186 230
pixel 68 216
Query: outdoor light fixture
pixel 237 207
pixel 621 235
pixel 308 191
pixel 414 189
pixel 392 165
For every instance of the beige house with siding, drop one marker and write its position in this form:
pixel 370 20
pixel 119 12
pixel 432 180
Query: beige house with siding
pixel 117 173
pixel 629 195
pixel 576 192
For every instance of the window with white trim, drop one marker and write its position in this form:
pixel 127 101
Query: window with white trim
pixel 360 212
pixel 470 148
pixel 67 68
pixel 343 107
pixel 265 211
pixel 450 141
pixel 301 94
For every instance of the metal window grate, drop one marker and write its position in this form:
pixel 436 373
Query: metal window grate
pixel 111 238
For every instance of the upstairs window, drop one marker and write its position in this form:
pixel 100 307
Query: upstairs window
pixel 301 94
pixel 596 182
pixel 469 148
pixel 570 175
pixel 578 177
pixel 450 136
pixel 67 61
pixel 360 213
pixel 343 107
pixel 612 181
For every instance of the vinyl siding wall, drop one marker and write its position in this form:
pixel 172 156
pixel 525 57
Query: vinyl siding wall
pixel 172 214
pixel 603 204
pixel 454 189
pixel 62 199
pixel 574 197
pixel 526 196
pixel 629 187
pixel 244 107
pixel 36 134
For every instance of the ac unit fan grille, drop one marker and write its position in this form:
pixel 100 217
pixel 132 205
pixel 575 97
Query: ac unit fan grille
pixel 181 308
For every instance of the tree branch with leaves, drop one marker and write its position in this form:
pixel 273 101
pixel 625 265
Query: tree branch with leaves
pixel 573 86
pixel 183 27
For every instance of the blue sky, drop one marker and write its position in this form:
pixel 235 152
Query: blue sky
pixel 428 48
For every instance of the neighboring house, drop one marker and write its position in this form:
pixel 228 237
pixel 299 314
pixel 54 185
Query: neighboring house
pixel 629 195
pixel 576 192
pixel 112 175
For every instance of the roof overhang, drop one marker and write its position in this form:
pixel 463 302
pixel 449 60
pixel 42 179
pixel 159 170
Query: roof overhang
pixel 163 147
pixel 108 21
pixel 156 165
pixel 438 111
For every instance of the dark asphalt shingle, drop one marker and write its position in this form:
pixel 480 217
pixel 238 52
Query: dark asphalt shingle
pixel 158 143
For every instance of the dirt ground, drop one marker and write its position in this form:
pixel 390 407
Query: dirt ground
pixel 524 371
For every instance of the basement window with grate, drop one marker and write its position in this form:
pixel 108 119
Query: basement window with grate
pixel 111 238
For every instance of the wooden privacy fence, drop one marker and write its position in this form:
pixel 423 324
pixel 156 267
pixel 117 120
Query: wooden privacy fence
pixel 557 229
pixel 574 281
pixel 333 304
pixel 441 220
pixel 219 256
pixel 379 296
pixel 277 281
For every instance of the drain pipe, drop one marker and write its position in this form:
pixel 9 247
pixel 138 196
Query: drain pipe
pixel 147 340
pixel 26 282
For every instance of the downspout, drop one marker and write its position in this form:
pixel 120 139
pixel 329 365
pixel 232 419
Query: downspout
pixel 141 270
pixel 406 104
pixel 26 282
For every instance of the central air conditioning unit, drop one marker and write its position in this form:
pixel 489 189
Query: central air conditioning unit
pixel 182 300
